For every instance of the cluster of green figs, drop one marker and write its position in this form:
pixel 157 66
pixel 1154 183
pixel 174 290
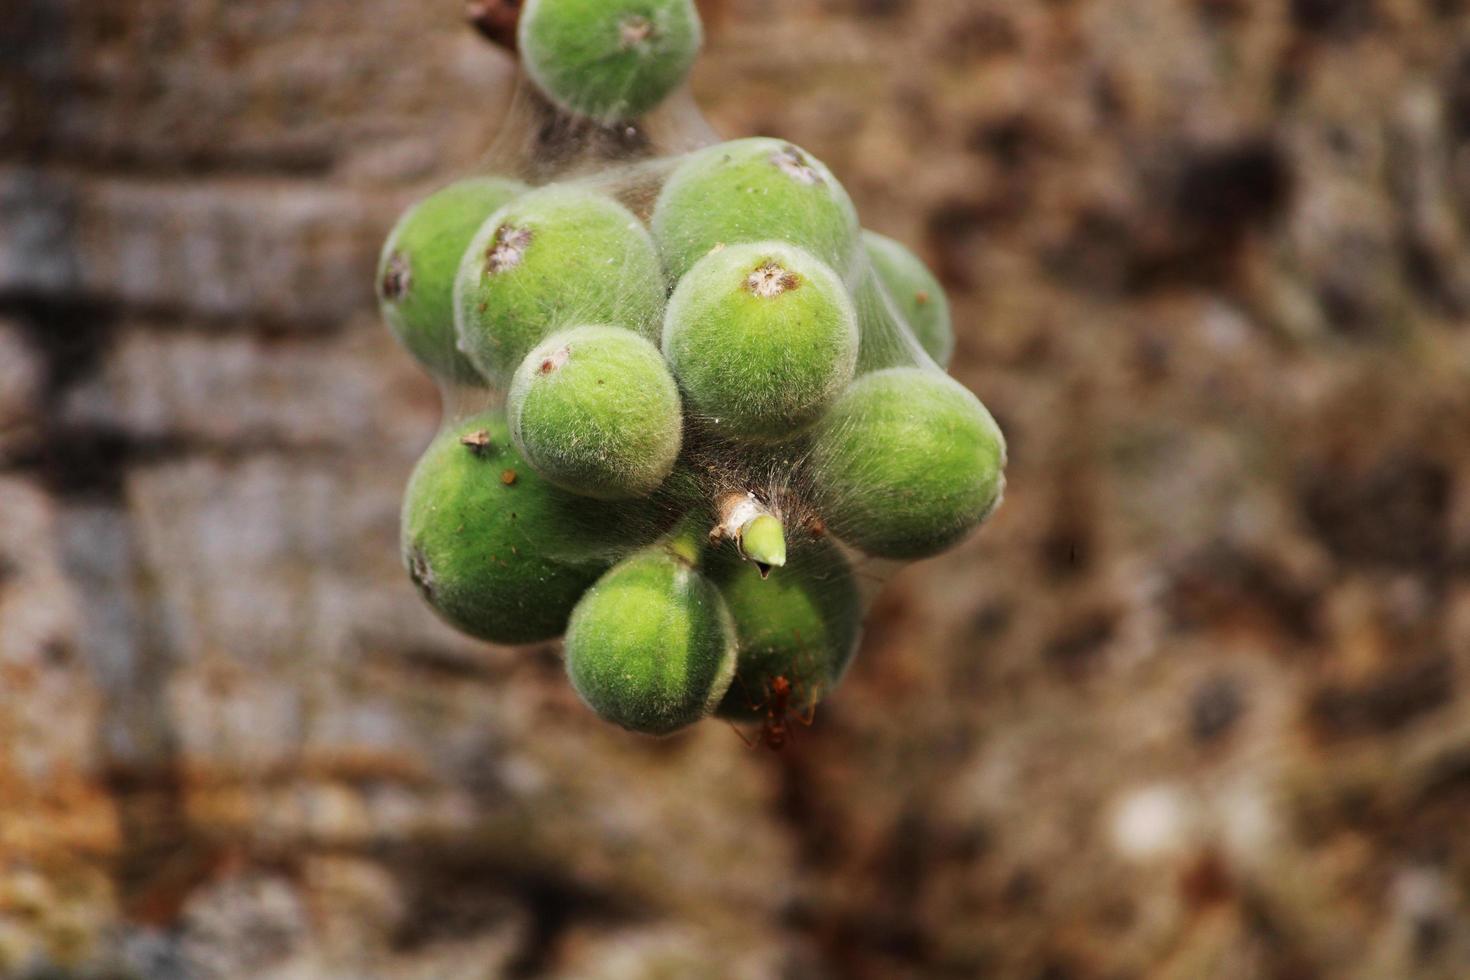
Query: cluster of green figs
pixel 701 413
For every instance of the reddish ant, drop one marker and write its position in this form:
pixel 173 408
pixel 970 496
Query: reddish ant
pixel 777 708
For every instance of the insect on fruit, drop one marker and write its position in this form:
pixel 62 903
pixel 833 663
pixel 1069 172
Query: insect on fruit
pixel 775 729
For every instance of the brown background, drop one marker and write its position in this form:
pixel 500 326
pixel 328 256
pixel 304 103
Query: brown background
pixel 1193 705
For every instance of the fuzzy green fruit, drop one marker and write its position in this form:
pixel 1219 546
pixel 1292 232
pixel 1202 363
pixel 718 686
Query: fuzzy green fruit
pixel 651 647
pixel 419 262
pixel 553 258
pixel 762 337
pixel 802 623
pixel 886 341
pixel 595 411
pixel 498 552
pixel 609 60
pixel 916 292
pixel 753 190
pixel 906 464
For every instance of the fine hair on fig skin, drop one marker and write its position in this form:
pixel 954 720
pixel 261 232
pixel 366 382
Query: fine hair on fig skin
pixel 418 265
pixel 555 257
pixel 762 338
pixel 608 62
pixel 597 412
pixel 753 190
pixel 652 647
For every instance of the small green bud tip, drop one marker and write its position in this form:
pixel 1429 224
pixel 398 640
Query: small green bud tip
pixel 758 534
pixel 763 541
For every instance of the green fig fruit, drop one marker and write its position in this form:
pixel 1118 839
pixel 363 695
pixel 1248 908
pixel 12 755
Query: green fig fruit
pixel 555 257
pixel 801 623
pixel 906 464
pixel 651 647
pixel 419 262
pixel 753 190
pixel 595 410
pixel 763 338
pixel 498 552
pixel 609 60
pixel 916 292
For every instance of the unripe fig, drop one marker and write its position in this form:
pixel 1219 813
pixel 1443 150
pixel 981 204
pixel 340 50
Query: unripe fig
pixel 651 646
pixel 555 257
pixel 417 268
pixel 802 623
pixel 498 552
pixel 762 337
pixel 916 292
pixel 906 464
pixel 596 412
pixel 609 60
pixel 753 190
pixel 885 340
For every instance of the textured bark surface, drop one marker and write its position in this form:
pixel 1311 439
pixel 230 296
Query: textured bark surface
pixel 1193 704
